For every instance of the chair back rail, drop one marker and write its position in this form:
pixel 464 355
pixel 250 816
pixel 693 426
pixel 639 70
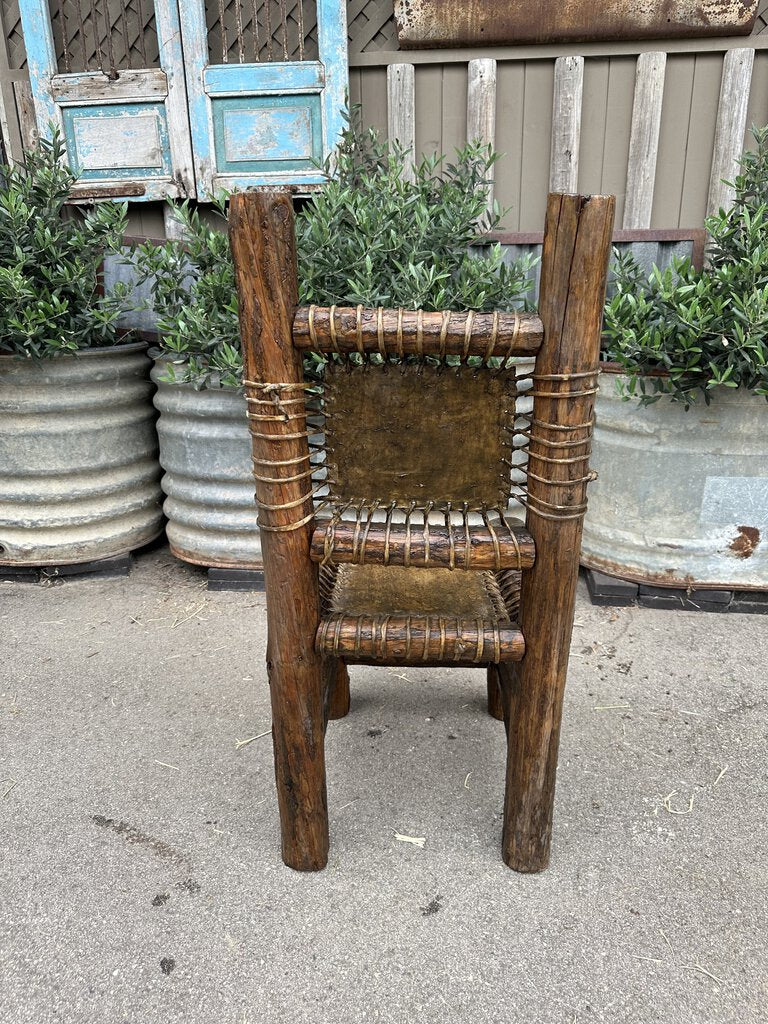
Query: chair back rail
pixel 407 332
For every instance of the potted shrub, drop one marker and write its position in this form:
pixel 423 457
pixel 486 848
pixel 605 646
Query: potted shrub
pixel 78 463
pixel 682 418
pixel 369 236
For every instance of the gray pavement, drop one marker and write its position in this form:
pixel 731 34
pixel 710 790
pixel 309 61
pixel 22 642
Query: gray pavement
pixel 140 876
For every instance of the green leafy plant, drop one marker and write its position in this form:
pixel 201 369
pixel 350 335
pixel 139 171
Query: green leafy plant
pixel 376 237
pixel 51 299
pixel 192 285
pixel 370 236
pixel 683 332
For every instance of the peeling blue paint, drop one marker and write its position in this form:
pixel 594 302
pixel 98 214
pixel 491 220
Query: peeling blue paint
pixel 133 130
pixel 267 133
pixel 146 155
pixel 253 79
pixel 41 61
pixel 265 148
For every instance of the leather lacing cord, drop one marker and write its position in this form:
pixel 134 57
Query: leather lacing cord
pixel 274 398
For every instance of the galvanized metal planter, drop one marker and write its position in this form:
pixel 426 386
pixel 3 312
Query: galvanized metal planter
pixel 79 477
pixel 205 450
pixel 682 497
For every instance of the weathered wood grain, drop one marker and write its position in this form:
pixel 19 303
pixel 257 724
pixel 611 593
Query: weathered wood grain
pixel 577 246
pixel 96 87
pixel 401 112
pixel 173 62
pixel 481 106
pixel 263 247
pixel 731 126
pixel 644 139
pixel 25 108
pixel 566 124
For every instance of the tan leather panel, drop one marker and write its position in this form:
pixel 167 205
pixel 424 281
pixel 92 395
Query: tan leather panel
pixel 420 433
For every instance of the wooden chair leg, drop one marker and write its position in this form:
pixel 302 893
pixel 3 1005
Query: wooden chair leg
pixel 495 707
pixel 573 270
pixel 261 235
pixel 298 733
pixel 533 734
pixel 338 701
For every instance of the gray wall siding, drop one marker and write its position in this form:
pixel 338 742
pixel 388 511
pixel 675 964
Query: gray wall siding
pixel 524 122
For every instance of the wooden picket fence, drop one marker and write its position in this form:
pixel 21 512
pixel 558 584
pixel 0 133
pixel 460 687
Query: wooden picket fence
pixel 731 123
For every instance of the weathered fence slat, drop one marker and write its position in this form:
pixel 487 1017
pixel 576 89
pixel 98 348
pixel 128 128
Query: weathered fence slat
pixel 566 124
pixel 25 109
pixel 644 139
pixel 177 107
pixel 731 126
pixel 481 106
pixel 401 105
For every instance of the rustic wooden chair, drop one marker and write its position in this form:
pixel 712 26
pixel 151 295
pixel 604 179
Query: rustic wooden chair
pixel 383 490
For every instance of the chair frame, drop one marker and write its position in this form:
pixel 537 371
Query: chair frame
pixel 307 688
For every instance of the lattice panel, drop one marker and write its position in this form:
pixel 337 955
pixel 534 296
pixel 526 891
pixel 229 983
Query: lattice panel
pixel 261 31
pixel 104 35
pixel 17 54
pixel 371 25
pixel 761 22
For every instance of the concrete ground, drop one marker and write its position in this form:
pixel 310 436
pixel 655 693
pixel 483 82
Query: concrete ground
pixel 140 874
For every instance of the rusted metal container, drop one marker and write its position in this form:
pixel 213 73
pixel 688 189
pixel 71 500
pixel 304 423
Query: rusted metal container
pixel 430 23
pixel 681 497
pixel 79 476
pixel 205 451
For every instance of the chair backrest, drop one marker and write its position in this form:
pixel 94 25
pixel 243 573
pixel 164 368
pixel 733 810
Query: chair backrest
pixel 421 410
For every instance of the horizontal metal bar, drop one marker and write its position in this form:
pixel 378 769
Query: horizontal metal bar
pixel 696 236
pixel 619 235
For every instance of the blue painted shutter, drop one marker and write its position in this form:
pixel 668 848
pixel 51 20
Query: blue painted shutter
pixel 172 122
pixel 125 124
pixel 264 120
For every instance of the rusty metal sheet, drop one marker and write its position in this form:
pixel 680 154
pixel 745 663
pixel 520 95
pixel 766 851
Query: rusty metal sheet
pixel 432 23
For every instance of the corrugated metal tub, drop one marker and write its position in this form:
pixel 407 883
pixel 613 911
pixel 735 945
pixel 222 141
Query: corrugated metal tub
pixel 79 476
pixel 205 450
pixel 682 497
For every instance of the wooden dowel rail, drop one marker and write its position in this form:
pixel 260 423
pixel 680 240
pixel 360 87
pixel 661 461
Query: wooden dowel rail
pixel 406 332
pixel 499 548
pixel 419 639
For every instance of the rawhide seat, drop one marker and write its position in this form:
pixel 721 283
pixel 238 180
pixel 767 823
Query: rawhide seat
pixel 387 479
